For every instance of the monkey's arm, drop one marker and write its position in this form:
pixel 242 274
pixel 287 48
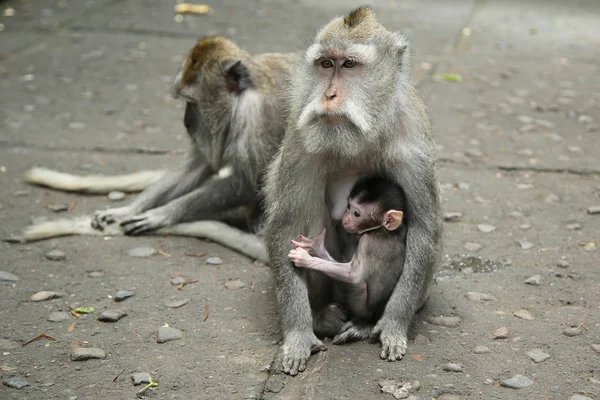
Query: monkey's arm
pixel 423 248
pixel 314 246
pixel 214 196
pixel 350 272
pixel 172 185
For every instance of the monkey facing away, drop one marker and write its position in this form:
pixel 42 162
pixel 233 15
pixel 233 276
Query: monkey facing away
pixel 374 215
pixel 353 112
pixel 234 116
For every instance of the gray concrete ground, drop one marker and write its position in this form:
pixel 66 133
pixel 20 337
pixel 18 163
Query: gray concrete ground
pixel 85 88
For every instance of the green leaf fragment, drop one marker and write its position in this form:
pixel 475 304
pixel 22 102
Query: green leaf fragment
pixel 451 77
pixel 84 310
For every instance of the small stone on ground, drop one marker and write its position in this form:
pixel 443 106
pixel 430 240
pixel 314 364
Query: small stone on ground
pixel 452 216
pixel 45 295
pixel 538 356
pixel 572 332
pixel 500 333
pixel 178 280
pixel 8 277
pixel 472 246
pixel 56 255
pixel 523 314
pixel 593 210
pixel 449 322
pixel 111 315
pixel 214 260
pixel 58 316
pixel 142 252
pixel 176 303
pixel 116 196
pixel 140 377
pixel 476 296
pixel 517 382
pixel 123 294
pixel 534 280
pixel 167 333
pixel 486 228
pixel 87 353
pixel 96 274
pixel 15 382
pixel 234 284
pixel 481 350
pixel 525 245
pixel 453 367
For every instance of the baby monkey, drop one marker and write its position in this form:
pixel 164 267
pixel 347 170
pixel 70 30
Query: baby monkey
pixel 366 283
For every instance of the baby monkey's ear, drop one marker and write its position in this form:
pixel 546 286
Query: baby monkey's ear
pixel 392 219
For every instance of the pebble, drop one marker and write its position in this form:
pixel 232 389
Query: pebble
pixel 525 152
pixel 116 196
pixel 167 333
pixel 140 377
pixel 176 303
pixel 96 274
pixel 544 124
pixel 485 228
pixel 77 125
pixel 525 227
pixel 475 153
pixel 141 252
pixel 178 280
pixel 525 245
pixel 527 128
pixel 87 353
pixel 234 284
pixel 534 280
pixel 449 322
pixel 123 294
pixel 476 296
pixel 111 315
pixel 500 333
pixel 58 316
pixel 15 382
pixel 399 390
pixel 516 214
pixel 571 332
pixel 562 264
pixel 574 149
pixel 596 348
pixel 579 397
pixel 585 119
pixel 525 119
pixel 517 382
pixel 453 367
pixel 214 260
pixel 523 314
pixel 58 207
pixel 274 385
pixel 593 210
pixel 452 216
pixel 21 193
pixel 481 350
pixel 7 276
pixel 56 255
pixel 46 295
pixel 538 356
pixel 573 227
pixel 463 186
pixel 552 199
pixel 472 246
pixel 524 186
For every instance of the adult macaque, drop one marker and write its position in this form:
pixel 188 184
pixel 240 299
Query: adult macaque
pixel 234 117
pixel 368 279
pixel 353 112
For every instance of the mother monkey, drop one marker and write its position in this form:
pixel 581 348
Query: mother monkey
pixel 354 112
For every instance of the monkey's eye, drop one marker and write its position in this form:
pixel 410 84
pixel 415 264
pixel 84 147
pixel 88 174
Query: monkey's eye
pixel 327 64
pixel 356 214
pixel 349 64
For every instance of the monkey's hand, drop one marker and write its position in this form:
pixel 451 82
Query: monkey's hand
pixel 147 221
pixel 300 257
pixel 314 246
pixel 102 218
pixel 393 339
pixel 297 348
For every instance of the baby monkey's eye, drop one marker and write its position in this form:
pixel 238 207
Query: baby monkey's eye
pixel 349 64
pixel 356 214
pixel 327 64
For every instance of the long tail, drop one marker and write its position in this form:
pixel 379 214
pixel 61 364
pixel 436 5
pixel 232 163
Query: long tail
pixel 219 232
pixel 100 184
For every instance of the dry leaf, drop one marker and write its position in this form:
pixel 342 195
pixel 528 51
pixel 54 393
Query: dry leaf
pixel 205 311
pixel 194 254
pixel 71 327
pixel 40 336
pixel 417 357
pixel 180 287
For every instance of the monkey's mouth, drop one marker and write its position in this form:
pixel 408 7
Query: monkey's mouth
pixel 333 119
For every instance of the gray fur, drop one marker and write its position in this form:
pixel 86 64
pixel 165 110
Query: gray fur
pixel 399 146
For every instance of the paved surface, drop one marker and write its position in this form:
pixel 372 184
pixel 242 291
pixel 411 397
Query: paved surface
pixel 85 88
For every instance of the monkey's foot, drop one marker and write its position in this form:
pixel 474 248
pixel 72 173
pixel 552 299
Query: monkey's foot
pixel 393 339
pixel 147 221
pixel 101 218
pixel 353 331
pixel 297 348
pixel 329 321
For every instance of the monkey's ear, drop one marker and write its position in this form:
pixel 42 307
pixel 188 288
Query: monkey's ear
pixel 237 76
pixel 392 220
pixel 402 51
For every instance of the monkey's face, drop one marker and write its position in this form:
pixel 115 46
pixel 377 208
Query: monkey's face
pixel 360 218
